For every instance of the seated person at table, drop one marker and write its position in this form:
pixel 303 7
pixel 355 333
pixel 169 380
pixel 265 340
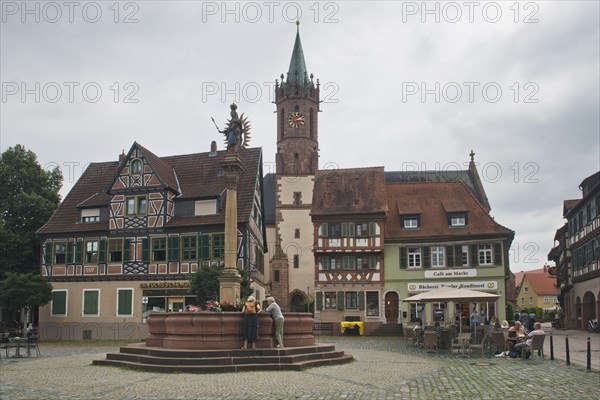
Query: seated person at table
pixel 513 333
pixel 537 330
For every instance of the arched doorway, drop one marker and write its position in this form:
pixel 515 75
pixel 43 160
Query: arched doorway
pixel 391 307
pixel 588 308
pixel 296 303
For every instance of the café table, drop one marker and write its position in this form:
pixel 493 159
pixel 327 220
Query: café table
pixel 17 343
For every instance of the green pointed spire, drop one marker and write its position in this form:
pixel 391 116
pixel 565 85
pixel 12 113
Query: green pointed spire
pixel 297 68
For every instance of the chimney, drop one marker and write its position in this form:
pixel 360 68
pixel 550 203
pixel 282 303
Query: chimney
pixel 213 149
pixel 122 156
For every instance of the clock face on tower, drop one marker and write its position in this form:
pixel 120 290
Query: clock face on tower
pixel 296 119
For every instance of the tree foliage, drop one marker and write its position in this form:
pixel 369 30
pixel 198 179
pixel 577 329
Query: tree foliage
pixel 19 291
pixel 205 284
pixel 28 197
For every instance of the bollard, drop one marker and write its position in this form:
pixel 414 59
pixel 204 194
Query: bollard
pixel 589 355
pixel 567 353
pixel 551 347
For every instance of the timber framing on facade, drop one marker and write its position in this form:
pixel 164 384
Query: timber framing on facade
pixel 131 233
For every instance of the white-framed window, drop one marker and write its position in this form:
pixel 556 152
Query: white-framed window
pixel 523 300
pixel 60 253
pixel 465 255
pixel 531 300
pixel 125 302
pixel 330 300
pixel 526 289
pixel 91 252
pixel 58 307
pixel 546 299
pixel 414 257
pixel 410 222
pixel 485 254
pixel 438 258
pixel 136 205
pixel 457 219
pixel 90 306
pixel 90 215
pixel 136 167
pixel 351 300
pixel 555 299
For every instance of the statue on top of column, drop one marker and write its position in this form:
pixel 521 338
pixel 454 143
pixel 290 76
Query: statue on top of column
pixel 237 131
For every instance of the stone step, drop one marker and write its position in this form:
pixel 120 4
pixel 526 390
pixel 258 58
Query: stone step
pixel 225 360
pixel 226 368
pixel 249 358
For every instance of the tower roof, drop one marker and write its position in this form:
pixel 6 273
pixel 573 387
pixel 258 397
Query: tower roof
pixel 297 68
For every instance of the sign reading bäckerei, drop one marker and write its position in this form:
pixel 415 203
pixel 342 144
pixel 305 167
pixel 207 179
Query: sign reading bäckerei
pixel 424 286
pixel 455 273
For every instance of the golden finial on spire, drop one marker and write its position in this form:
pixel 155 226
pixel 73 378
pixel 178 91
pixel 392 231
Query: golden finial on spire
pixel 298 24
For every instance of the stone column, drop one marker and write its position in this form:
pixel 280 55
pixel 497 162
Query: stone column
pixel 229 281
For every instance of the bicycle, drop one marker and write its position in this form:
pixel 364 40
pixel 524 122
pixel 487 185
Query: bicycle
pixel 592 326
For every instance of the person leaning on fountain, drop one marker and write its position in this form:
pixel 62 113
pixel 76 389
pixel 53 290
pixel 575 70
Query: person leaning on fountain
pixel 277 316
pixel 250 310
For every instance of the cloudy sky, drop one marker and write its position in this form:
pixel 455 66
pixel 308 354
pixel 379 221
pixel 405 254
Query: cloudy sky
pixel 405 85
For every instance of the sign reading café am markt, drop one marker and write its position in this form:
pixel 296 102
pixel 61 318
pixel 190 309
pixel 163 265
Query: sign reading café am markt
pixel 457 273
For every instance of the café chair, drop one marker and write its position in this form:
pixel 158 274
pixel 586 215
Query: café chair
pixel 431 341
pixel 5 344
pixel 537 343
pixel 32 343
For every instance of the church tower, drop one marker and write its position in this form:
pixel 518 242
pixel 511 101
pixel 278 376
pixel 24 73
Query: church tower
pixel 297 102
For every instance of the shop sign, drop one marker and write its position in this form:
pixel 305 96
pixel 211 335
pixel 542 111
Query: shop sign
pixel 474 285
pixel 454 273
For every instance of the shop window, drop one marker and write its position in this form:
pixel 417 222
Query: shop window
pixel 372 303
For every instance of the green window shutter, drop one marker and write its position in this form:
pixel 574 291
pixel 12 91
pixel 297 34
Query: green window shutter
pixel 458 261
pixel 59 303
pixel 325 262
pixel 324 230
pixel 102 251
pixel 450 256
pixel 474 261
pixel 361 299
pixel 319 300
pixel 340 301
pixel 124 302
pixel 426 257
pixel 48 254
pixel 344 229
pixel 351 229
pixel 372 228
pixel 205 247
pixel 69 253
pixel 79 252
pixel 173 248
pixel 497 254
pixel 90 303
pixel 145 250
pixel 126 250
pixel 346 262
pixel 403 258
pixel 372 262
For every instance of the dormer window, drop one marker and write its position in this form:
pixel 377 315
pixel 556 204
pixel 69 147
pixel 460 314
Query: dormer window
pixel 136 167
pixel 90 215
pixel 458 219
pixel 410 221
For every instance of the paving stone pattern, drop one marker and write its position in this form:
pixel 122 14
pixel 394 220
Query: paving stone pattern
pixel 385 368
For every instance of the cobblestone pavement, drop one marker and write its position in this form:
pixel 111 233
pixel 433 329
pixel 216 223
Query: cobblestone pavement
pixel 385 368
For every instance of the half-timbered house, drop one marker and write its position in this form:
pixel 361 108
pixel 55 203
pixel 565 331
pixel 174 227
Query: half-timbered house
pixel 131 233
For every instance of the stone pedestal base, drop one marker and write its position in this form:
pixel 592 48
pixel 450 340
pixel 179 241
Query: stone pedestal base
pixel 229 286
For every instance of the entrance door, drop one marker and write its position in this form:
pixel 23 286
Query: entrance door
pixel 391 307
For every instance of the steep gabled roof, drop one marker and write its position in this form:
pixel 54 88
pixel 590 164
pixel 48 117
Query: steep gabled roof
pixel 542 284
pixel 163 170
pixel 195 176
pixel 349 191
pixel 432 198
pixel 520 275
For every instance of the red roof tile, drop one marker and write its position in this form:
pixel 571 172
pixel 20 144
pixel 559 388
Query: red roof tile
pixel 542 284
pixel 349 191
pixel 199 176
pixel 432 198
